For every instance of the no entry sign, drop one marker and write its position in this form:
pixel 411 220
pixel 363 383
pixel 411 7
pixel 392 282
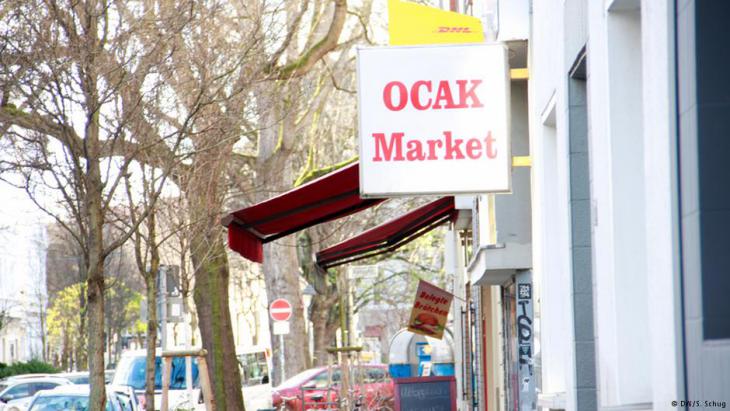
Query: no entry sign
pixel 280 310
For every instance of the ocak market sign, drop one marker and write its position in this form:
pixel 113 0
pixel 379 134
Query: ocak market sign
pixel 433 120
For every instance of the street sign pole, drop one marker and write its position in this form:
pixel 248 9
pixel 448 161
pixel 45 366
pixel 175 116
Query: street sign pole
pixel 282 357
pixel 189 363
pixel 280 311
pixel 162 272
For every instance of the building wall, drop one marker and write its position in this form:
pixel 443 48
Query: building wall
pixel 557 38
pixel 23 295
pixel 632 208
pixel 704 104
pixel 656 105
pixel 661 201
pixel 617 193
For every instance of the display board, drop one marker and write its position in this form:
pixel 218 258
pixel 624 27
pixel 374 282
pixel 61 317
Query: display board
pixel 425 393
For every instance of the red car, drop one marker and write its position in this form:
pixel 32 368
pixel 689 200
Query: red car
pixel 314 386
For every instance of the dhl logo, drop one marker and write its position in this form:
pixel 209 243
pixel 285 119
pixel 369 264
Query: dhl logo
pixel 447 29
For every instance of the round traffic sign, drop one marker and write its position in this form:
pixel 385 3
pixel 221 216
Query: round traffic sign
pixel 280 310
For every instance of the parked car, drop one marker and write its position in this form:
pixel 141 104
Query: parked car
pixel 108 376
pixel 256 388
pixel 79 377
pixel 131 372
pixel 16 388
pixel 319 387
pixel 254 364
pixel 127 398
pixel 71 398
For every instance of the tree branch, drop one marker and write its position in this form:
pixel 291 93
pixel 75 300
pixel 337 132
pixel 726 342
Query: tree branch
pixel 9 115
pixel 310 57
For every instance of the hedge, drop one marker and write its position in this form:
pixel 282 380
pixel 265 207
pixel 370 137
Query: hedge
pixel 30 367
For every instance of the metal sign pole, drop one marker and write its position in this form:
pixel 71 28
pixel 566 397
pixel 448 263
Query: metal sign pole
pixel 280 311
pixel 189 366
pixel 282 357
pixel 162 272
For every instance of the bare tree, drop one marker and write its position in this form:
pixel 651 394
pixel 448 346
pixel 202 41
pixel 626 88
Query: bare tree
pixel 147 257
pixel 66 66
pixel 300 111
pixel 143 81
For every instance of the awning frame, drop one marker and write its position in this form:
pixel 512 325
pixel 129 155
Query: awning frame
pixel 439 215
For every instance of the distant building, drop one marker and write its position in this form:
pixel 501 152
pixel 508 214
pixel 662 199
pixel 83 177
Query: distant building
pixel 23 294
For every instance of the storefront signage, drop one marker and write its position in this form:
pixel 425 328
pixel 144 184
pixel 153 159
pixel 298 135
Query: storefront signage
pixel 425 393
pixel 433 120
pixel 430 310
pixel 525 340
pixel 412 23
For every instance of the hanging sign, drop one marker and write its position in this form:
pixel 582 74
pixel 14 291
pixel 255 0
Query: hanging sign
pixel 434 120
pixel 412 23
pixel 430 310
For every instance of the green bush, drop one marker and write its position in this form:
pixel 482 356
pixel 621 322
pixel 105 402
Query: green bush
pixel 30 367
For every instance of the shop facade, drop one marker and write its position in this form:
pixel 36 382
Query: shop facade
pixel 599 281
pixel 616 226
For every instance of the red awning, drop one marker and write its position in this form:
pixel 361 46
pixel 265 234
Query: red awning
pixel 325 199
pixel 389 236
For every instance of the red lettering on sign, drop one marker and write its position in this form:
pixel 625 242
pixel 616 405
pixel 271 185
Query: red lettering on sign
pixel 444 95
pixel 415 96
pixel 390 148
pixel 489 143
pixel 471 93
pixel 381 146
pixel 473 149
pixel 396 95
pixel 453 147
pixel 447 29
pixel 432 148
pixel 388 96
pixel 415 151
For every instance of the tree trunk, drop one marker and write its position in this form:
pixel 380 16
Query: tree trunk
pixel 44 334
pixel 95 314
pixel 66 354
pixel 282 281
pixel 188 309
pixel 95 276
pixel 211 300
pixel 281 268
pixel 149 392
pixel 80 347
pixel 324 325
pixel 108 343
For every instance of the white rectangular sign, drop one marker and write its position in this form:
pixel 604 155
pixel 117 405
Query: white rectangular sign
pixel 434 120
pixel 281 327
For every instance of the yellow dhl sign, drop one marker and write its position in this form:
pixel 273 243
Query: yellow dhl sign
pixel 411 24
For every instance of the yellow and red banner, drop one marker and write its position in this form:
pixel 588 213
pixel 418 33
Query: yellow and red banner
pixel 411 24
pixel 430 310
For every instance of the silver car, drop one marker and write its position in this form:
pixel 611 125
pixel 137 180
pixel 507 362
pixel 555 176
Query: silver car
pixel 14 389
pixel 126 397
pixel 71 398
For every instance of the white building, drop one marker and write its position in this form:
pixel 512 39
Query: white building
pixel 627 111
pixel 23 296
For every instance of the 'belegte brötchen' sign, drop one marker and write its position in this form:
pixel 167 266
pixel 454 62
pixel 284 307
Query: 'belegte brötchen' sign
pixel 430 310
